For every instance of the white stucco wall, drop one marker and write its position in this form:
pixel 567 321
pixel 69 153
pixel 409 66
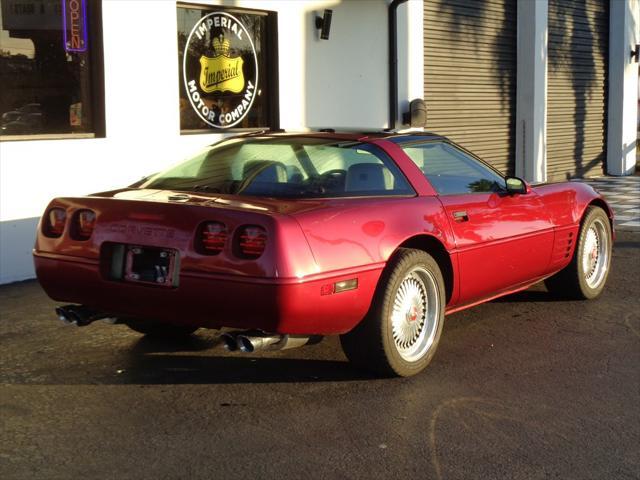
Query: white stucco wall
pixel 622 118
pixel 531 91
pixel 342 82
pixel 410 55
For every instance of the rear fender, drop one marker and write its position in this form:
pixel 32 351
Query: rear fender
pixel 447 262
pixel 353 233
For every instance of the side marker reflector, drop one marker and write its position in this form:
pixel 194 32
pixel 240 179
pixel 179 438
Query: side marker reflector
pixel 343 286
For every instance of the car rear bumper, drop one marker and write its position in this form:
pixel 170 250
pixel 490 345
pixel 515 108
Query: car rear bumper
pixel 293 306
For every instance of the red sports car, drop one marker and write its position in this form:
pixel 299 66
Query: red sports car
pixel 283 238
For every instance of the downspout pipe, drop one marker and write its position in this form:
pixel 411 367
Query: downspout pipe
pixel 393 61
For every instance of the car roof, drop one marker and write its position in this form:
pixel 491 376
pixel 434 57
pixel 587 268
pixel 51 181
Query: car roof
pixel 362 135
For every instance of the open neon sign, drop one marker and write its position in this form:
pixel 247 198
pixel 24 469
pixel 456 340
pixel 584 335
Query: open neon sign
pixel 74 14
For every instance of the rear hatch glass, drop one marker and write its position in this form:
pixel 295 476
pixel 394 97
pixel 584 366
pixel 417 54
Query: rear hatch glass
pixel 296 167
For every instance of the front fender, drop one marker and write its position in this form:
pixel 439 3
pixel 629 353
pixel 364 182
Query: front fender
pixel 566 202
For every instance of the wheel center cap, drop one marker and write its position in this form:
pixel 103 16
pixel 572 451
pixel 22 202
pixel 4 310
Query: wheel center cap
pixel 412 315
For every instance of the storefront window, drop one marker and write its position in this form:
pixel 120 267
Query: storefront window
pixel 228 69
pixel 48 69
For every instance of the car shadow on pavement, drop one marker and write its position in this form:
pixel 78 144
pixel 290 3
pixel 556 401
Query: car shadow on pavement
pixel 541 296
pixel 189 343
pixel 171 362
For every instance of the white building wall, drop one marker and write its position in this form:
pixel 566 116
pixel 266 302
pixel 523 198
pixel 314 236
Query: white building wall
pixel 531 91
pixel 410 55
pixel 342 82
pixel 622 133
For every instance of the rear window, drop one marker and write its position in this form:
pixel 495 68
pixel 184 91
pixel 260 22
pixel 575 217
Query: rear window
pixel 287 167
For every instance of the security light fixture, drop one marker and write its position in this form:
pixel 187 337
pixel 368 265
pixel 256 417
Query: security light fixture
pixel 416 117
pixel 635 53
pixel 324 24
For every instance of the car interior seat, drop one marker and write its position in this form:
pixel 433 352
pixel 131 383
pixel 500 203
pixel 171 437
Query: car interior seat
pixel 265 171
pixel 294 174
pixel 365 177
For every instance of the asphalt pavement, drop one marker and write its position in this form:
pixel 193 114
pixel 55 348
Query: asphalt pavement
pixel 524 387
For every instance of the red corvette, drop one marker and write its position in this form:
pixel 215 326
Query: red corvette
pixel 283 238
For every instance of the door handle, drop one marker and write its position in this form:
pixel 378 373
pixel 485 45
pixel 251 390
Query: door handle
pixel 461 216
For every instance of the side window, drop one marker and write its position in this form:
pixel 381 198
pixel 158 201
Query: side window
pixel 452 171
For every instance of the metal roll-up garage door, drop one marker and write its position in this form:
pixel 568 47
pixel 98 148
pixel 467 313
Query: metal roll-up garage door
pixel 576 99
pixel 470 75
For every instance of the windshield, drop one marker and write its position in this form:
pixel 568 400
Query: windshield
pixel 294 167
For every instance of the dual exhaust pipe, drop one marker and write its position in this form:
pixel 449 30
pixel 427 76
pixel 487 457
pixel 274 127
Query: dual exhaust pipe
pixel 245 341
pixel 253 341
pixel 80 315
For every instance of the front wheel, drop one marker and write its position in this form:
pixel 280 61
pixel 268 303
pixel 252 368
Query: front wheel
pixel 586 275
pixel 400 334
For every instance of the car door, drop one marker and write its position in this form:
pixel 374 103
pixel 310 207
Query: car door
pixel 502 240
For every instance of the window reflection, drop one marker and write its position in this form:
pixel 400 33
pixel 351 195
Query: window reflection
pixel 45 88
pixel 451 171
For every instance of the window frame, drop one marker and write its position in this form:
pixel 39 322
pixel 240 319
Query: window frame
pixel 96 71
pixel 461 149
pixel 272 74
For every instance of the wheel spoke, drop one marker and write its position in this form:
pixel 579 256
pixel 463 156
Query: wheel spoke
pixel 595 254
pixel 414 315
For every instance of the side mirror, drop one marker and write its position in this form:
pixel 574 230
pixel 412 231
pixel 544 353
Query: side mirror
pixel 516 185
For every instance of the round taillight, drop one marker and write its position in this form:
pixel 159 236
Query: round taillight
pixel 54 222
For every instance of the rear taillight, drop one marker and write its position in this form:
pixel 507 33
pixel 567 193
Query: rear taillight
pixel 54 222
pixel 250 241
pixel 84 224
pixel 213 236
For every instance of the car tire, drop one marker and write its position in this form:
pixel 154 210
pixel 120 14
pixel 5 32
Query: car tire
pixel 585 277
pixel 400 334
pixel 158 330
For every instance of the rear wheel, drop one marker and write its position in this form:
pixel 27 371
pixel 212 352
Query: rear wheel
pixel 400 334
pixel 586 275
pixel 158 330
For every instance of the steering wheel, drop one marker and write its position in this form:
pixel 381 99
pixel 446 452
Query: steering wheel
pixel 332 179
pixel 335 172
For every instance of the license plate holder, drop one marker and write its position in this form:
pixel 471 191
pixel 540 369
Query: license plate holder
pixel 151 265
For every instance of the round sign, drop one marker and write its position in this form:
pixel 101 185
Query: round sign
pixel 220 70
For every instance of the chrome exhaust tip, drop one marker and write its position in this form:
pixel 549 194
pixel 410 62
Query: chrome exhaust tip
pixel 229 341
pixel 254 340
pixel 245 345
pixel 79 315
pixel 66 315
pixel 251 343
